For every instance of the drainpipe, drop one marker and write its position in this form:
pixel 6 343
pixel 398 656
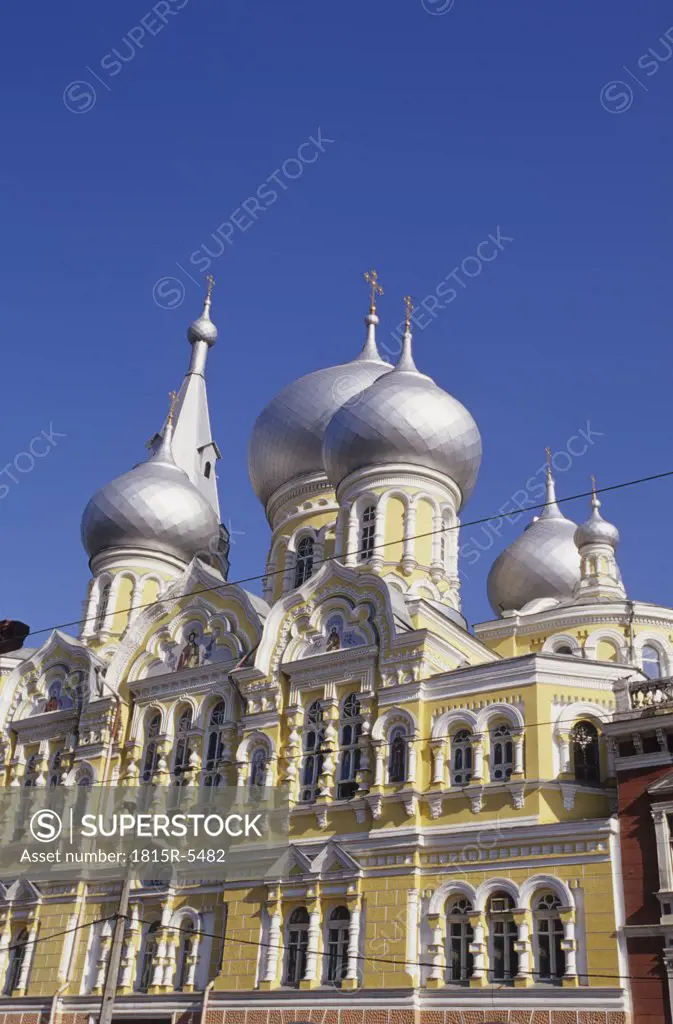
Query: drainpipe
pixel 56 998
pixel 204 1005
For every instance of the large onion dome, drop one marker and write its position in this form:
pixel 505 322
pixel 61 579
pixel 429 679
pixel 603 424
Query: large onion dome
pixel 543 563
pixel 404 417
pixel 286 441
pixel 154 507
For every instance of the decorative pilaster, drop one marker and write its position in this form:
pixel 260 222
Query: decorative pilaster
pixel 477 757
pixel 351 980
pixel 380 757
pixel 517 742
pixel 363 775
pixel 438 748
pixel 569 946
pixel 352 545
pixel 292 755
pixel 524 977
pixel 310 979
pixel 270 977
pixel 129 953
pixel 436 951
pixel 564 755
pixel 162 958
pixel 328 749
pixel 478 949
pixel 409 561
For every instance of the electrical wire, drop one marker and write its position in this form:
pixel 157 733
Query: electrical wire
pixel 347 554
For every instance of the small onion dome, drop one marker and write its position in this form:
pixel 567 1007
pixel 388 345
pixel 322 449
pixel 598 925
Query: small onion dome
pixel 596 530
pixel 404 417
pixel 154 507
pixel 543 563
pixel 286 440
pixel 203 329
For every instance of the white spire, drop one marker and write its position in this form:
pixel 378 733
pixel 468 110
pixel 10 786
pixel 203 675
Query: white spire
pixel 597 540
pixel 193 447
pixel 551 509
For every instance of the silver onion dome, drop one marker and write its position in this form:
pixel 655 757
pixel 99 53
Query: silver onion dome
pixel 154 507
pixel 286 440
pixel 542 563
pixel 203 329
pixel 404 417
pixel 596 530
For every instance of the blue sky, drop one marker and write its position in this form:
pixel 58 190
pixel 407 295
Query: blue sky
pixel 451 120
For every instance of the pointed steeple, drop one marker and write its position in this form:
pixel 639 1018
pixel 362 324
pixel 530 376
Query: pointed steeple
pixel 406 360
pixel 551 509
pixel 193 447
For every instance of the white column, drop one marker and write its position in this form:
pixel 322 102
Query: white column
pixel 438 762
pixel 564 751
pixel 663 837
pixel 411 761
pixel 379 554
pixel 380 753
pixel 436 950
pixel 312 948
pixel 111 605
pixel 523 947
pixel 351 552
pixel 130 951
pixel 268 774
pixel 413 967
pixel 518 753
pixel 353 944
pixel 136 597
pixel 570 949
pixel 90 619
pixel 477 756
pixel 408 557
pixel 193 961
pixel 272 953
pixel 101 963
pixel 478 945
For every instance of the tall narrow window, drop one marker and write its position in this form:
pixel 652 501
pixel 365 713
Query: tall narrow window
pixel 459 935
pixel 149 957
pixel 501 753
pixel 186 946
pixel 297 944
pixel 103 603
pixel 182 745
pixel 151 748
pixel 304 567
pixel 442 549
pixel 551 959
pixel 651 659
pixel 31 772
pixel 214 744
pixel 461 758
pixel 585 755
pixel 258 768
pixel 312 762
pixel 368 531
pixel 337 945
pixel 16 957
pixel 350 729
pixel 397 758
pixel 503 933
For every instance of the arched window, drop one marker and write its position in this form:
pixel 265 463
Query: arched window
pixel 151 747
pixel 459 935
pixel 182 745
pixel 206 471
pixel 214 744
pixel 503 935
pixel 297 944
pixel 312 761
pixel 563 649
pixel 337 945
pixel 368 531
pixel 350 729
pixel 549 934
pixel 502 761
pixel 397 757
pixel 184 953
pixel 304 566
pixel 55 769
pixel 585 754
pixel 651 659
pixel 258 768
pixel 461 758
pixel 148 958
pixel 103 602
pixel 17 955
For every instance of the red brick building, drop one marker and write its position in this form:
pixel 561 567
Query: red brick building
pixel 642 734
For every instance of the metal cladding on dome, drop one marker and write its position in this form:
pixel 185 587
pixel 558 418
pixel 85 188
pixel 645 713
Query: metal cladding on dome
pixel 404 418
pixel 542 563
pixel 596 530
pixel 154 507
pixel 286 441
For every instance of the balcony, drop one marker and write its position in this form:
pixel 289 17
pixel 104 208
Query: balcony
pixel 651 693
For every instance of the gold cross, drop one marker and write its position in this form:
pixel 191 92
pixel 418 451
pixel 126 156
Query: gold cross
pixel 408 310
pixel 548 451
pixel 173 395
pixel 372 278
pixel 211 281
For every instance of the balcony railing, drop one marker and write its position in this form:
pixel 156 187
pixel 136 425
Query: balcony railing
pixel 654 693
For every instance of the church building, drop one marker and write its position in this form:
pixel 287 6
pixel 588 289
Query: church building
pixel 454 846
